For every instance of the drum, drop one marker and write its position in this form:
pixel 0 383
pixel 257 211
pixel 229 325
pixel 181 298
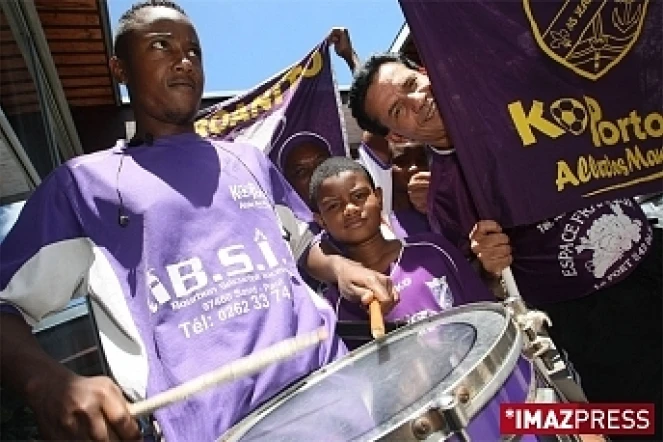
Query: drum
pixel 442 378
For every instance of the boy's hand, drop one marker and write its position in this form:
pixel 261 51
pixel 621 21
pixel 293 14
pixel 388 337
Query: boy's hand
pixel 359 284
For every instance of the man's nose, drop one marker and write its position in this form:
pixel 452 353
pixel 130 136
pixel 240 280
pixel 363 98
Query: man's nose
pixel 350 209
pixel 418 100
pixel 184 63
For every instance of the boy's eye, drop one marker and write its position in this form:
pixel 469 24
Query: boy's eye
pixel 159 44
pixel 196 52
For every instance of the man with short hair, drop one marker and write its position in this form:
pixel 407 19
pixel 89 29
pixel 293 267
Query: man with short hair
pixel 179 242
pixel 608 320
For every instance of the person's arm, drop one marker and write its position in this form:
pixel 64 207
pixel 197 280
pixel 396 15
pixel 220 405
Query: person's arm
pixel 354 281
pixel 491 247
pixel 340 38
pixel 66 406
pixel 45 258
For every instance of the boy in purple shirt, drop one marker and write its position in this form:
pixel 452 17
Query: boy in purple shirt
pixel 429 274
pixel 180 244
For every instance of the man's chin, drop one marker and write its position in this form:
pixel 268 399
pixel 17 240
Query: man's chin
pixel 181 116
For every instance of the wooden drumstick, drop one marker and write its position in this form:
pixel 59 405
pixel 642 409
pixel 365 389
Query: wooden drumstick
pixel 239 368
pixel 377 321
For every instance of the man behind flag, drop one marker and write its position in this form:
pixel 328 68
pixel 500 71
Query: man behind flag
pixel 606 315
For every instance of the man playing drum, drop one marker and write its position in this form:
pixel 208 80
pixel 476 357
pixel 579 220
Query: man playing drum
pixel 177 241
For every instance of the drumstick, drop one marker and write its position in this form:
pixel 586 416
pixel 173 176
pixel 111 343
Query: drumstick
pixel 239 368
pixel 377 321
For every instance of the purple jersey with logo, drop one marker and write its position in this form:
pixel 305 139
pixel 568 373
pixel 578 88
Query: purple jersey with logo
pixel 562 258
pixel 201 275
pixel 430 275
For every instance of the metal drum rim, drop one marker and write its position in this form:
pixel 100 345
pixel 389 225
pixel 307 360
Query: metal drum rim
pixel 508 336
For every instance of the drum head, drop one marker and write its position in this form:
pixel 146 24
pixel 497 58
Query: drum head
pixel 381 385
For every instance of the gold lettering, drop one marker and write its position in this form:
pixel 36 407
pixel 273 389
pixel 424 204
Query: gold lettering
pixel 292 76
pixel 634 158
pixel 635 122
pixel 534 119
pixel 315 67
pixel 595 115
pixel 609 133
pixel 565 176
pixel 623 127
pixel 260 104
pixel 652 131
pixel 583 170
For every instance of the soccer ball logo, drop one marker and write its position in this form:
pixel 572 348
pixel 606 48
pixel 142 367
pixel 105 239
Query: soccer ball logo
pixel 570 114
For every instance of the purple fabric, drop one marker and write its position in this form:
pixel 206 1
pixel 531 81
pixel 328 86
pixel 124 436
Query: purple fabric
pixel 202 233
pixel 552 106
pixel 430 276
pixel 561 258
pixel 450 209
pixel 10 309
pixel 579 252
pixel 298 105
pixel 409 222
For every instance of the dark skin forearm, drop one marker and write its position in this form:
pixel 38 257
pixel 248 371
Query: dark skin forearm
pixel 352 61
pixel 322 263
pixel 23 363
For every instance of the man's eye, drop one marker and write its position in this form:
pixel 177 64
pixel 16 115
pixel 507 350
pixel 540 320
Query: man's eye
pixel 159 44
pixel 196 52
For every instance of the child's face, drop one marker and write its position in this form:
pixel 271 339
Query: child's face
pixel 349 209
pixel 301 164
pixel 406 162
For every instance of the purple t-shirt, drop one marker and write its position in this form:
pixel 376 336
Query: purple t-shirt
pixel 430 276
pixel 562 258
pixel 408 222
pixel 201 275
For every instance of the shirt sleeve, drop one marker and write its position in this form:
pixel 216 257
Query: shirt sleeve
pixel 45 257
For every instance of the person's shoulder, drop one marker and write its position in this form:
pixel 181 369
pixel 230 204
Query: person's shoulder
pixel 93 157
pixel 239 149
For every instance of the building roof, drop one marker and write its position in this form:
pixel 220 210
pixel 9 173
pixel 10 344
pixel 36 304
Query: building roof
pixel 79 39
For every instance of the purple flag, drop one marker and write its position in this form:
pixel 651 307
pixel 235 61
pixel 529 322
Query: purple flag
pixel 552 105
pixel 299 105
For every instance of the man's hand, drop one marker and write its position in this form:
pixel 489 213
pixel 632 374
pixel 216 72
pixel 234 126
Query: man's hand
pixel 340 38
pixel 491 246
pixel 417 190
pixel 72 407
pixel 359 284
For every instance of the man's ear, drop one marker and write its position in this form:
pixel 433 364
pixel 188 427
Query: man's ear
pixel 393 137
pixel 378 195
pixel 118 69
pixel 319 220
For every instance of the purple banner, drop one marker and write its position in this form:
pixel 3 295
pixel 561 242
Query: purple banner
pixel 298 105
pixel 551 105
